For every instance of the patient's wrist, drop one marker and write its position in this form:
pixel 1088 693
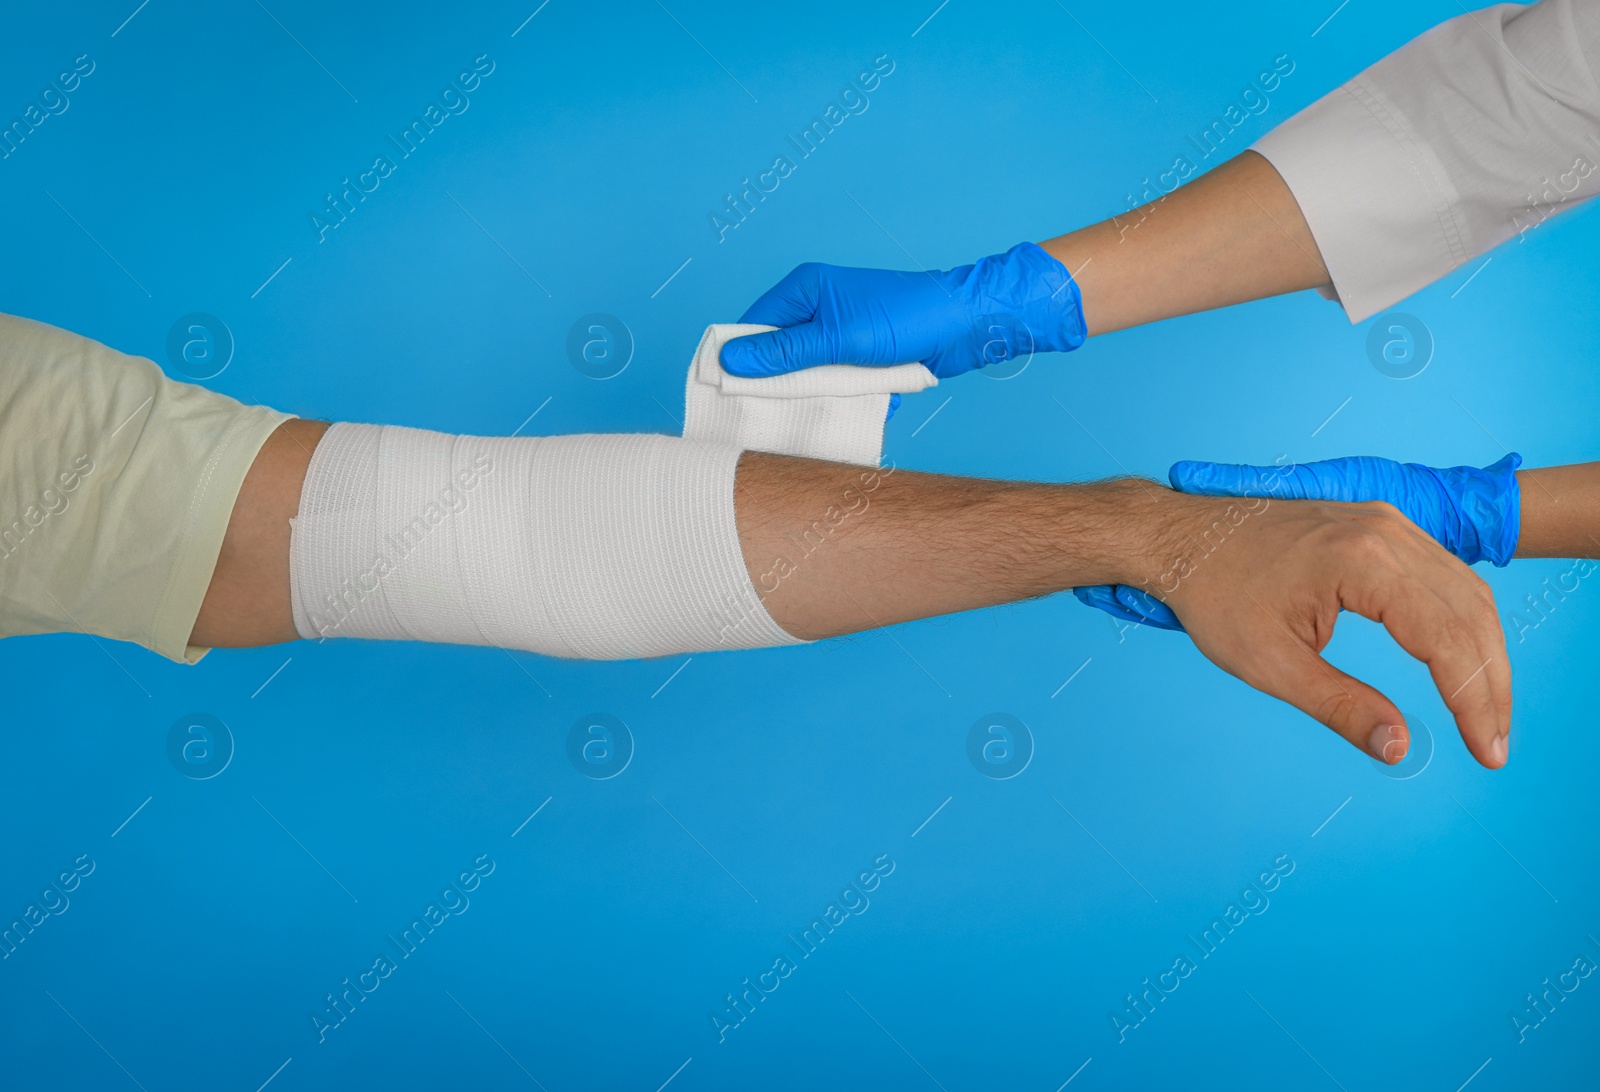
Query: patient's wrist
pixel 1132 532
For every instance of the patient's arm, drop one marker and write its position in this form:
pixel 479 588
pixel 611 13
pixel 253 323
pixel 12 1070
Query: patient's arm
pixel 247 603
pixel 1258 584
pixel 890 547
pixel 1232 235
pixel 1495 513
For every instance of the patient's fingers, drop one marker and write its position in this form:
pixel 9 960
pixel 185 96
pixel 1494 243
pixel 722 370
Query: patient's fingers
pixel 1441 613
pixel 1264 610
pixel 1289 669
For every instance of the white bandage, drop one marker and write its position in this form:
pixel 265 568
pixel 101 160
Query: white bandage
pixel 598 547
pixel 834 412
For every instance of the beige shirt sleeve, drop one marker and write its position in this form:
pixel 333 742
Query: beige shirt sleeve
pixel 1474 133
pixel 116 486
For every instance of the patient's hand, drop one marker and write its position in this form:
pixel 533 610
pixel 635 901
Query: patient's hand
pixel 1475 514
pixel 1258 583
pixel 1259 586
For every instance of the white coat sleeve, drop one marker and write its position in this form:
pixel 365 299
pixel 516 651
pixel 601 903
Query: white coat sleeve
pixel 1475 132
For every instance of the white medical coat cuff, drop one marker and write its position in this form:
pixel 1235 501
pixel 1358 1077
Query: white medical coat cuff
pixel 1475 132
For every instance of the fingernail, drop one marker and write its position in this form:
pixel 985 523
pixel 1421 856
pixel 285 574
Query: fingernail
pixel 1387 743
pixel 1499 751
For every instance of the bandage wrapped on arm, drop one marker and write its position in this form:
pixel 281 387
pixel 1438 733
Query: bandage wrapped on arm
pixel 597 546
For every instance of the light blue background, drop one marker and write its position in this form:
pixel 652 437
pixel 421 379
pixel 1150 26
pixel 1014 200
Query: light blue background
pixel 366 776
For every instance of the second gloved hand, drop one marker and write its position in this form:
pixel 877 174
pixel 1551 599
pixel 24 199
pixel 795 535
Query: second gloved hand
pixel 999 308
pixel 1473 513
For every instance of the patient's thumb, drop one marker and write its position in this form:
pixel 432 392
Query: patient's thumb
pixel 777 352
pixel 1358 712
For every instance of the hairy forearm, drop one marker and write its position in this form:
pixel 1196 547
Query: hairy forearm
pixel 1560 511
pixel 1232 235
pixel 835 549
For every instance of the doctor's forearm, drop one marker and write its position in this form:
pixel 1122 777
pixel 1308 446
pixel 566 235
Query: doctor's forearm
pixel 1474 133
pixel 1232 235
pixel 1483 129
pixel 1560 511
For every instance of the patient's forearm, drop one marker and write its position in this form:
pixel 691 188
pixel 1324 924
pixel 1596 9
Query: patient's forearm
pixel 1560 511
pixel 1232 235
pixel 834 549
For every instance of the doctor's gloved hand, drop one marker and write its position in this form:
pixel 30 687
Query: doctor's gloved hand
pixel 1473 513
pixel 1130 605
pixel 1001 307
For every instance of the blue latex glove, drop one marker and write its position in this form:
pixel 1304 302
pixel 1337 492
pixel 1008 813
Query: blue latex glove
pixel 1130 605
pixel 1475 514
pixel 1001 307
